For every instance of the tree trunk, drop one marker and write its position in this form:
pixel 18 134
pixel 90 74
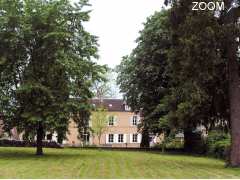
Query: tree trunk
pixel 39 151
pixel 188 140
pixel 145 139
pixel 234 90
pixel 99 140
pixel 60 137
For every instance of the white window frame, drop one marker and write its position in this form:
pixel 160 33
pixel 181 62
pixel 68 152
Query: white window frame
pixel 122 138
pixel 125 138
pixel 133 138
pixel 127 108
pixel 139 138
pixel 109 138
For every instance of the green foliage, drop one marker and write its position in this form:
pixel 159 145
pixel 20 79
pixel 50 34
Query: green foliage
pixel 177 73
pixel 198 69
pixel 99 119
pixel 142 75
pixel 218 144
pixel 45 64
pixel 174 144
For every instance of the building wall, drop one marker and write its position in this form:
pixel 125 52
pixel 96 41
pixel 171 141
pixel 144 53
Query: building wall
pixel 72 135
pixel 14 135
pixel 122 125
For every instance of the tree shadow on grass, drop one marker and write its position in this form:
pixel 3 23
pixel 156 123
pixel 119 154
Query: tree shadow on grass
pixel 179 152
pixel 191 160
pixel 23 154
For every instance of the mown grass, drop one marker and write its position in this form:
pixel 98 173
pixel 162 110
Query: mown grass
pixel 86 163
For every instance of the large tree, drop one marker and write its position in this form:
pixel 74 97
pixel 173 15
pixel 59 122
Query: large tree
pixel 142 75
pixel 232 35
pixel 46 68
pixel 170 76
pixel 214 50
pixel 198 70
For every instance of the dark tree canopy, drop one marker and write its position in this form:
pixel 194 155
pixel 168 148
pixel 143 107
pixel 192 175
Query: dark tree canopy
pixel 179 73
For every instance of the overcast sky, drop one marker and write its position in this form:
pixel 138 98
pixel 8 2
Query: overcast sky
pixel 117 23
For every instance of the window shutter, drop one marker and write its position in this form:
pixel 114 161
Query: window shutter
pixel 124 138
pixel 107 141
pixel 130 136
pixel 115 138
pixel 139 138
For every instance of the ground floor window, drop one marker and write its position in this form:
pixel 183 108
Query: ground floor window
pixel 135 138
pixel 110 138
pixel 120 138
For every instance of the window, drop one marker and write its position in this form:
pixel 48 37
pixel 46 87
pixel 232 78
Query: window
pixel 135 138
pixel 111 121
pixel 120 138
pixel 134 120
pixel 85 138
pixel 110 138
pixel 127 108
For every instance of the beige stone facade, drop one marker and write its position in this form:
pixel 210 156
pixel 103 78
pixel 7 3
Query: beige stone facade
pixel 72 135
pixel 123 126
pixel 122 133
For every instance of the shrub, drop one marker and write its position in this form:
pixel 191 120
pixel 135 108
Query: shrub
pixel 169 144
pixel 174 144
pixel 218 144
pixel 89 146
pixel 15 143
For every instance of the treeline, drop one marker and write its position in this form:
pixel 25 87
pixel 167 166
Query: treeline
pixel 46 67
pixel 184 73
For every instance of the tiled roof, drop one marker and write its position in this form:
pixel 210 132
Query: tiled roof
pixel 110 104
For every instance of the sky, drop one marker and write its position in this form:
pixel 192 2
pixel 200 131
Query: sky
pixel 117 24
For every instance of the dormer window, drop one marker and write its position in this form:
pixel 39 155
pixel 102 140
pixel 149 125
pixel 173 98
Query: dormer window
pixel 127 108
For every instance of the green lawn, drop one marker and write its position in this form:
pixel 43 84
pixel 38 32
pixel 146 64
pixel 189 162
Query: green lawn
pixel 79 163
